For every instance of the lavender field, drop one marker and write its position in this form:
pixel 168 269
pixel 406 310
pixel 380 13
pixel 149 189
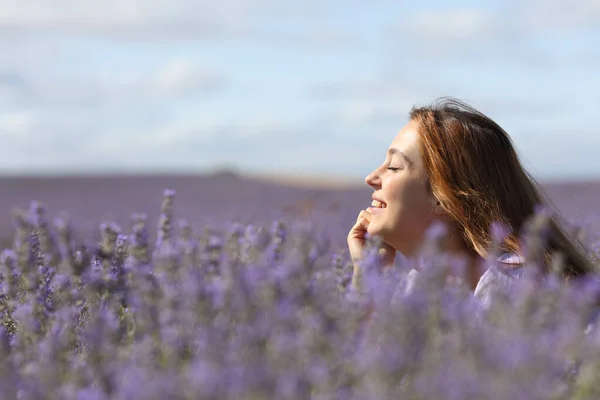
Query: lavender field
pixel 214 199
pixel 209 199
pixel 230 287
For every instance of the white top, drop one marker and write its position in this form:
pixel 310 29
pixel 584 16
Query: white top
pixel 496 277
pixel 493 277
pixel 502 277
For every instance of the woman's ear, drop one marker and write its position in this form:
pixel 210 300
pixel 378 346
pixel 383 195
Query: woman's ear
pixel 436 204
pixel 437 207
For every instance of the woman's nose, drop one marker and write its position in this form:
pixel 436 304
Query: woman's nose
pixel 372 180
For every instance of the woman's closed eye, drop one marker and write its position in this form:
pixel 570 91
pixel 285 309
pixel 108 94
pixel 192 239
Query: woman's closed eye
pixel 394 169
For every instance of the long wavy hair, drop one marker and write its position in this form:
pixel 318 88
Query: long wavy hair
pixel 475 173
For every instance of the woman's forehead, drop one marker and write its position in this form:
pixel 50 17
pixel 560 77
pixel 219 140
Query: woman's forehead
pixel 407 141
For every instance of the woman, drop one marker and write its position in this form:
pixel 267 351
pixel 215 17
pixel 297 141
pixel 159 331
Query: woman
pixel 453 164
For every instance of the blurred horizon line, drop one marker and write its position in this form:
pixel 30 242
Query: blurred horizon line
pixel 309 179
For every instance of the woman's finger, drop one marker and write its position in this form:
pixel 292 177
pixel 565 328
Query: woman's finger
pixel 362 223
pixel 364 214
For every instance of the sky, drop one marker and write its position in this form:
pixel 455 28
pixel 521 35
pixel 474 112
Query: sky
pixel 314 87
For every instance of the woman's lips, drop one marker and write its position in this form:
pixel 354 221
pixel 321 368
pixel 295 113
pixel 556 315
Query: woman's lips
pixel 375 210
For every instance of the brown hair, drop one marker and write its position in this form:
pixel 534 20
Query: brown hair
pixel 475 173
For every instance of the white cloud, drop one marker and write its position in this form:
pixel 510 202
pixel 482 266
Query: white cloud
pixel 203 129
pixel 56 140
pixel 536 15
pixel 166 19
pixel 313 37
pixel 53 120
pixel 452 25
pixel 400 87
pixel 37 139
pixel 180 77
pixel 117 18
pixel 17 125
pixel 507 35
pixel 305 25
pixel 471 34
pixel 515 20
pixel 175 79
pixel 361 115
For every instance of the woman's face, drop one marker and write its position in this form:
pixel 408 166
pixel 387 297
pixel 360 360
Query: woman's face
pixel 401 184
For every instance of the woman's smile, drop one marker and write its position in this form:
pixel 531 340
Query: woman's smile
pixel 376 206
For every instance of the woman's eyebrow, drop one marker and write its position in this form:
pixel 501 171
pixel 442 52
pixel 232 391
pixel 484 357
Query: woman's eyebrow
pixel 394 150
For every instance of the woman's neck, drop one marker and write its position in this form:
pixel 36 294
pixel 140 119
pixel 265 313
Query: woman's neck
pixel 456 247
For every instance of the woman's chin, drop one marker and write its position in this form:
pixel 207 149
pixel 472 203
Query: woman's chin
pixel 373 231
pixel 380 233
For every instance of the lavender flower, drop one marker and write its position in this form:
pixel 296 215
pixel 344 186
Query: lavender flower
pixel 263 310
pixel 139 239
pixel 166 217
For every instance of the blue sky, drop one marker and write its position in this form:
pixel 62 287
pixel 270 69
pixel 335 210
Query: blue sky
pixel 316 88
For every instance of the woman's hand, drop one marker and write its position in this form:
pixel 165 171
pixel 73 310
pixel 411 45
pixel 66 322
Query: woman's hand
pixel 356 236
pixel 356 245
pixel 356 240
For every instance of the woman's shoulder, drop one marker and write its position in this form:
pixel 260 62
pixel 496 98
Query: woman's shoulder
pixel 510 266
pixel 511 259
